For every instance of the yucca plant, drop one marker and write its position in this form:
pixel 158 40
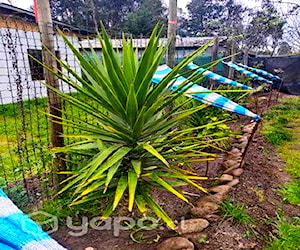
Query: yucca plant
pixel 132 144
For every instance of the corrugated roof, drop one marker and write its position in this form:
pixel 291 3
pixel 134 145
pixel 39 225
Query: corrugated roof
pixel 183 42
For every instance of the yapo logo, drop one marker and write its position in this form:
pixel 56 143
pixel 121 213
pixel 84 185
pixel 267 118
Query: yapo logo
pixel 41 218
pixel 115 224
pixel 80 228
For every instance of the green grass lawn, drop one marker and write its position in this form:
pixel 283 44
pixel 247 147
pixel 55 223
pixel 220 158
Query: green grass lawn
pixel 24 138
pixel 287 235
pixel 282 129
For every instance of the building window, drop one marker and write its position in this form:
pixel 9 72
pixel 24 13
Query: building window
pixel 36 69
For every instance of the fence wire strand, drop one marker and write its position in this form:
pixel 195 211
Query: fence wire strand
pixel 25 158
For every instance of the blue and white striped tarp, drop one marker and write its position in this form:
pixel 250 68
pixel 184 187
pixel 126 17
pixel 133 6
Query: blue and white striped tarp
pixel 260 71
pixel 217 77
pixel 18 231
pixel 206 96
pixel 246 72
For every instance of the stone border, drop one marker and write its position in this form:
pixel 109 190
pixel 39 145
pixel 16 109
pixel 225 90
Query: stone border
pixel 205 208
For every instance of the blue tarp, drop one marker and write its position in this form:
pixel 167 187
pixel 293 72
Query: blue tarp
pixel 206 96
pixel 218 78
pixel 18 231
pixel 260 71
pixel 246 72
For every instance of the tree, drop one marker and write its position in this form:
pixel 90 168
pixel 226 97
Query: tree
pixel 265 29
pixel 73 12
pixel 245 28
pixel 143 19
pixel 284 48
pixel 113 13
pixel 84 13
pixel 210 17
pixel 182 23
pixel 291 30
pixel 135 16
pixel 201 12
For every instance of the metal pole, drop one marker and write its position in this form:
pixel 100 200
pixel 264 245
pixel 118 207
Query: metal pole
pixel 54 101
pixel 172 27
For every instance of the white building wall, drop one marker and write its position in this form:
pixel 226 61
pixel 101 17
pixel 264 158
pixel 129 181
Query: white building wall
pixel 16 82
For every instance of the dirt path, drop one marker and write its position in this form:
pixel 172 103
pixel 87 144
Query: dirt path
pixel 258 191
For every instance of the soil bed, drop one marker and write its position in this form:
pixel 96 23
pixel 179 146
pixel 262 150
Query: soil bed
pixel 257 190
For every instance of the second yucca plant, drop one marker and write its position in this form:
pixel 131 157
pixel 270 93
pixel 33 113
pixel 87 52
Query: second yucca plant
pixel 132 143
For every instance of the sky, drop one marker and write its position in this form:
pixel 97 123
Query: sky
pixel 25 4
pixel 180 3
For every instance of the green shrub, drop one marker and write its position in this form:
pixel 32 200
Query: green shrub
pixel 212 119
pixel 133 143
pixel 16 193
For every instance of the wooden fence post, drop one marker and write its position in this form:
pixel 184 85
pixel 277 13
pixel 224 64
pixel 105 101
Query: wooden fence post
pixel 233 51
pixel 54 101
pixel 246 57
pixel 214 57
pixel 172 26
pixel 214 53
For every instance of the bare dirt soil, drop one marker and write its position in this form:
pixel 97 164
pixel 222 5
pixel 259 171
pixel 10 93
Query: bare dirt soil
pixel 258 191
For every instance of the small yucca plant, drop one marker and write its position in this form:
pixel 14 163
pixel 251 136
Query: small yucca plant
pixel 132 144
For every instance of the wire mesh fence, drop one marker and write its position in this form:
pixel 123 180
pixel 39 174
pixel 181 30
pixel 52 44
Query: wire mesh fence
pixel 25 158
